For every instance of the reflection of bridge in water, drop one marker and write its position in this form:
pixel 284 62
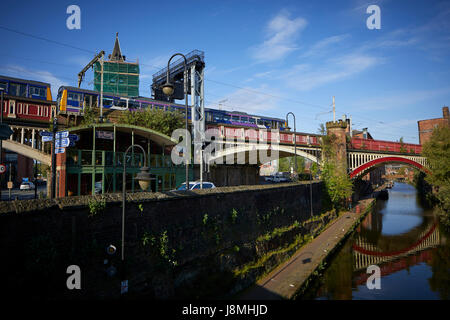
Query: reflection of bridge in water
pixel 366 254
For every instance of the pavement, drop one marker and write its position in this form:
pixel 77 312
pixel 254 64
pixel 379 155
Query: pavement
pixel 286 279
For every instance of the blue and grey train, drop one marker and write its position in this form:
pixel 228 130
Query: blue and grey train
pixel 73 100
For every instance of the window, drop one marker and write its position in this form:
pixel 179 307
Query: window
pixel 235 118
pixel 4 85
pixel 207 186
pixel 19 109
pixel 37 92
pixel 252 120
pixel 18 89
pixel 244 119
pixel 260 121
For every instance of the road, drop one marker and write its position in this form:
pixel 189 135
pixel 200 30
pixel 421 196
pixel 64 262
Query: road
pixel 23 194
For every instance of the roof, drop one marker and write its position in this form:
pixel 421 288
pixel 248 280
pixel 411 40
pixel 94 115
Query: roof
pixel 26 81
pixel 159 138
pixel 116 54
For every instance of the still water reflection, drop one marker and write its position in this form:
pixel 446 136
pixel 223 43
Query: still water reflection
pixel 404 240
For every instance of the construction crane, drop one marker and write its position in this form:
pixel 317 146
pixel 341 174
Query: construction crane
pixel 89 65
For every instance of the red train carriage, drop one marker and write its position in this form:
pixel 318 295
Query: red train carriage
pixel 26 101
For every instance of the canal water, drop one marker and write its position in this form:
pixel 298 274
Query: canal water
pixel 402 238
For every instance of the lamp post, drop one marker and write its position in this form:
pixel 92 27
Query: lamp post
pixel 168 90
pixel 144 182
pixel 295 140
pixel 1 141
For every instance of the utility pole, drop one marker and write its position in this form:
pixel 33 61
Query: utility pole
pixel 101 89
pixel 55 128
pixel 334 111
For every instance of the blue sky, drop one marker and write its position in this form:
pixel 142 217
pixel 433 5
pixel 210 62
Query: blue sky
pixel 263 57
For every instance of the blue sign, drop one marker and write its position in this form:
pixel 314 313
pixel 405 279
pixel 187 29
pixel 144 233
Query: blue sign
pixel 45 134
pixel 72 143
pixel 47 138
pixel 62 134
pixel 62 143
pixel 60 150
pixel 74 137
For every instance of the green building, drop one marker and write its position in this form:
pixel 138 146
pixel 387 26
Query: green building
pixel 94 165
pixel 119 77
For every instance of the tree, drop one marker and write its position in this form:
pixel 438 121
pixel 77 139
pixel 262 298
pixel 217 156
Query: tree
pixel 285 164
pixel 437 152
pixel 159 120
pixel 338 185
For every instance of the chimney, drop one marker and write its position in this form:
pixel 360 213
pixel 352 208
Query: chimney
pixel 445 113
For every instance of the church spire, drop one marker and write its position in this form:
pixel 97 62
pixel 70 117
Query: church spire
pixel 116 53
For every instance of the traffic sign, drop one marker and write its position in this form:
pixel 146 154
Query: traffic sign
pixel 45 134
pixel 62 143
pixel 62 134
pixel 2 168
pixel 74 137
pixel 47 138
pixel 60 150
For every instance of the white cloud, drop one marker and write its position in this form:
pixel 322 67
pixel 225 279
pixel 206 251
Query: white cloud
pixel 280 38
pixel 322 47
pixel 304 78
pixel 249 99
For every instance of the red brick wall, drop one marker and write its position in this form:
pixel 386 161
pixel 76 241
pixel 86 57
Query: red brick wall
pixel 426 126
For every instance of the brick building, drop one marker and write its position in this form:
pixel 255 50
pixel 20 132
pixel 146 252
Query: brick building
pixel 426 127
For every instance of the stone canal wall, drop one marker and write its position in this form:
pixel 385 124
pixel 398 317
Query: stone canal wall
pixel 207 243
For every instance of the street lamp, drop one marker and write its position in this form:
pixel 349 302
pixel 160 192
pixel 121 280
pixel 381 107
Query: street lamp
pixel 295 140
pixel 144 179
pixel 168 89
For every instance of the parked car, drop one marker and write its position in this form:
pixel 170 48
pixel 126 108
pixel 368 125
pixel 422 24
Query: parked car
pixel 195 185
pixel 281 177
pixel 98 187
pixel 27 186
pixel 268 178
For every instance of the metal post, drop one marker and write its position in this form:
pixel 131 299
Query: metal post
pixel 55 128
pixel 295 140
pixel 101 91
pixel 10 180
pixel 1 142
pixel 123 203
pixel 186 123
pixel 310 189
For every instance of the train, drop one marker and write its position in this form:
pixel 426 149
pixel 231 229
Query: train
pixel 26 100
pixel 25 88
pixel 73 100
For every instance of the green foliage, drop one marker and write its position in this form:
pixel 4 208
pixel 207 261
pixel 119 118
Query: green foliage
pixel 337 182
pixel 89 116
pixel 162 121
pixel 141 208
pixel 402 146
pixel 96 206
pixel 160 249
pixel 437 152
pixel 234 215
pixel 285 164
pixel 205 219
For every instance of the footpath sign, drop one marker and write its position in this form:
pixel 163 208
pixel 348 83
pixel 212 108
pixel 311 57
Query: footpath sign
pixel 62 134
pixel 60 150
pixel 62 143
